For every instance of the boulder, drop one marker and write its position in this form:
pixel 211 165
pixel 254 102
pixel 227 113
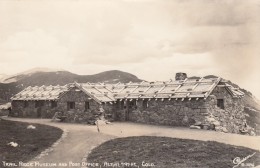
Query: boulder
pixel 252 133
pixel 205 126
pixel 224 129
pixel 218 128
pixel 216 123
pixel 210 119
pixel 194 127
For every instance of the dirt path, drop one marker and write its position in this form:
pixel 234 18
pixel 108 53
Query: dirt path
pixel 134 129
pixel 82 138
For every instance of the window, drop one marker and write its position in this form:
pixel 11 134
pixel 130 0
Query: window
pixel 145 104
pixel 53 104
pixel 39 104
pixel 70 105
pixel 121 105
pixel 26 104
pixel 220 103
pixel 132 104
pixel 87 106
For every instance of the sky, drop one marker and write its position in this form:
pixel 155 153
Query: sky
pixel 152 39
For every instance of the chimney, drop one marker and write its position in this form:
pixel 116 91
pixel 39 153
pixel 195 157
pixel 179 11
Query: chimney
pixel 180 76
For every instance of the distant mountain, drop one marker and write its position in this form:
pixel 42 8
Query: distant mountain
pixel 2 77
pixel 37 77
pixel 14 78
pixel 65 77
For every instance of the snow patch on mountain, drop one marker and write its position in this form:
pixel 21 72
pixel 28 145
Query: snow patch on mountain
pixel 34 70
pixel 14 78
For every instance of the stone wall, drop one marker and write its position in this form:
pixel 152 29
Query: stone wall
pixel 164 112
pixel 19 109
pixel 4 112
pixel 173 112
pixel 229 119
pixel 78 114
pixel 188 112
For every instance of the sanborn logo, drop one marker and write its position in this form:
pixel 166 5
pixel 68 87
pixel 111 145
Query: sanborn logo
pixel 238 161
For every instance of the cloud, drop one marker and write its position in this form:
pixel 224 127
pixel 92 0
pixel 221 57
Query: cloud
pixel 37 48
pixel 228 30
pixel 197 36
pixel 119 32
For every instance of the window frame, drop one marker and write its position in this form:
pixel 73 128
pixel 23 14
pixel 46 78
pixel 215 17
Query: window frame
pixel 221 103
pixel 132 104
pixel 145 104
pixel 54 104
pixel 71 105
pixel 121 105
pixel 87 105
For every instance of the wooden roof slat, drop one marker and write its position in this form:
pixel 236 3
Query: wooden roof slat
pixel 197 84
pixel 110 92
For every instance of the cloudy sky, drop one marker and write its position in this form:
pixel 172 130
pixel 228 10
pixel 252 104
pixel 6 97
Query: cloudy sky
pixel 152 39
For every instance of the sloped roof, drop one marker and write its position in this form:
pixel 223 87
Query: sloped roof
pixel 41 93
pixel 235 92
pixel 5 106
pixel 188 88
pixel 99 92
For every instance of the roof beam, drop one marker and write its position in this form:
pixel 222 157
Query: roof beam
pixel 134 89
pixel 212 87
pixel 97 89
pixel 147 89
pixel 89 94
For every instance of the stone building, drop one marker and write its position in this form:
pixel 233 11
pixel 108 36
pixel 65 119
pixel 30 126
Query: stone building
pixel 183 102
pixel 43 102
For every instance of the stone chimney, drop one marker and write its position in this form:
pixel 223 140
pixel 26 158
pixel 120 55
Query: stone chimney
pixel 180 76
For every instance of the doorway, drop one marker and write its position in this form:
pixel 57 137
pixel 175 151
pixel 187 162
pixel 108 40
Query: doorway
pixel 130 106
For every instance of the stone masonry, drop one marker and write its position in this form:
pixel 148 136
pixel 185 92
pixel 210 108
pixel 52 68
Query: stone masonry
pixel 219 111
pixel 78 114
pixel 188 112
pixel 229 119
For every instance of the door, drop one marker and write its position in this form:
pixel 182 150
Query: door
pixel 130 106
pixel 126 110
pixel 127 114
pixel 39 112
